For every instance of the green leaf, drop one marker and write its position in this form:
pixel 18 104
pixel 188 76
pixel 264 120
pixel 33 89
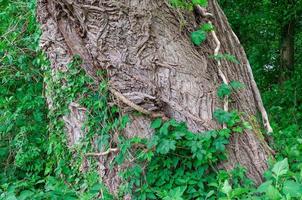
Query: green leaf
pixel 176 193
pixel 220 144
pixel 281 167
pixel 156 123
pixel 227 188
pixel 207 27
pixel 124 122
pixel 236 85
pixel 237 129
pixel 264 186
pixel 153 141
pixel 197 37
pixel 165 128
pixel 247 125
pixel 177 3
pixel 223 90
pixel 25 194
pixel 203 3
pixel 231 58
pixel 227 57
pixel 222 116
pixel 210 194
pixel 292 188
pixel 165 146
pixel 272 193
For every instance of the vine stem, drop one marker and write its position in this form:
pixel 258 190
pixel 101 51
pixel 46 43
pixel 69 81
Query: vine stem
pixel 220 73
pixel 258 99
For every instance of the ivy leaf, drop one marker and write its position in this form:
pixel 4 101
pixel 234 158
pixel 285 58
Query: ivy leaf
pixel 165 146
pixel 292 188
pixel 198 37
pixel 203 3
pixel 156 123
pixel 223 91
pixel 281 168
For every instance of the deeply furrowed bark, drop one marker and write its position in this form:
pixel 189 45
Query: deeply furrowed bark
pixel 145 47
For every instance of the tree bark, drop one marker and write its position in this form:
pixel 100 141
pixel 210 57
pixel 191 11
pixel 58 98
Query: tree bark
pixel 287 50
pixel 151 61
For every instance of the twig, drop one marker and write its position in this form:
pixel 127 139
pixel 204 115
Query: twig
pixel 103 153
pixel 136 107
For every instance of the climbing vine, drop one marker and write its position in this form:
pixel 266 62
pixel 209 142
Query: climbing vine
pixel 40 161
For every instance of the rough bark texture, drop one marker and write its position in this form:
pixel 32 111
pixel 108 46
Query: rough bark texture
pixel 152 62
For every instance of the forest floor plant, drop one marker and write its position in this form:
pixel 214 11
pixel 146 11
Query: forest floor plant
pixel 173 164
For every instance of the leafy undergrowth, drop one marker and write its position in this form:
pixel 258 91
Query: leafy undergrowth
pixel 35 161
pixel 176 164
pixel 173 164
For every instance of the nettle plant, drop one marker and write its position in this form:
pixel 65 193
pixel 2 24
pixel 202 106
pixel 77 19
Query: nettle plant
pixel 178 164
pixel 173 164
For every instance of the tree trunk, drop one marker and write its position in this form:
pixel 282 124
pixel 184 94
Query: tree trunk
pixel 149 55
pixel 287 49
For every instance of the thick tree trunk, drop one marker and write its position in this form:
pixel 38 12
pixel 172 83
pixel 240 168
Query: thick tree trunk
pixel 287 50
pixel 148 55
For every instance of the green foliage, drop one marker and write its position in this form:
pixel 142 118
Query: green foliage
pixel 174 163
pixel 198 37
pixel 225 90
pixel 207 27
pixel 203 3
pixel 23 116
pixel 227 57
pixel 281 183
pixel 259 31
pixel 188 5
pixel 178 164
pixel 35 160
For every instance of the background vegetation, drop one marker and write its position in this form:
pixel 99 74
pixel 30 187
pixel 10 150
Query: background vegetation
pixel 33 155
